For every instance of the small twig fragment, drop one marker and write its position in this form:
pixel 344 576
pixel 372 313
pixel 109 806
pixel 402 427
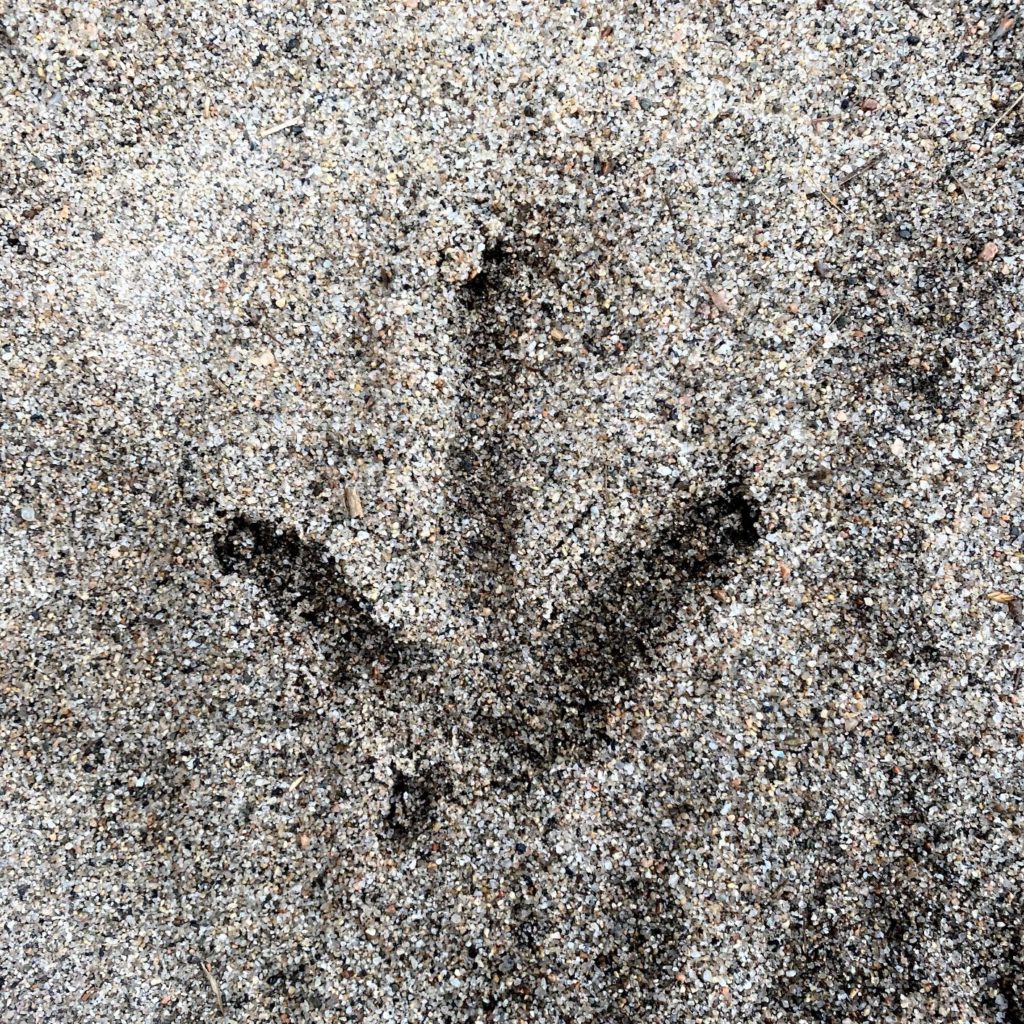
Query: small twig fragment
pixel 717 298
pixel 353 503
pixel 839 316
pixel 295 122
pixel 858 171
pixel 828 199
pixel 1004 28
pixel 1006 113
pixel 214 987
pixel 957 181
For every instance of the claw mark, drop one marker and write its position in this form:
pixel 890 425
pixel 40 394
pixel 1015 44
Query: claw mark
pixel 635 608
pixel 484 281
pixel 411 806
pixel 485 464
pixel 300 577
pixel 597 653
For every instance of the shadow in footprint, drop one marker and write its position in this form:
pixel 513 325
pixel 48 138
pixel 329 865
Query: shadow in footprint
pixel 484 465
pixel 412 805
pixel 597 653
pixel 300 577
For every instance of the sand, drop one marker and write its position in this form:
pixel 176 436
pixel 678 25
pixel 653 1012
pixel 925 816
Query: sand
pixel 511 512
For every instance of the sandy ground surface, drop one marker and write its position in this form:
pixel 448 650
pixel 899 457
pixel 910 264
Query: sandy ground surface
pixel 511 512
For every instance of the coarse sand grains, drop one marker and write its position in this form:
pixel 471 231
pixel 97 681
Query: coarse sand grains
pixel 511 512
